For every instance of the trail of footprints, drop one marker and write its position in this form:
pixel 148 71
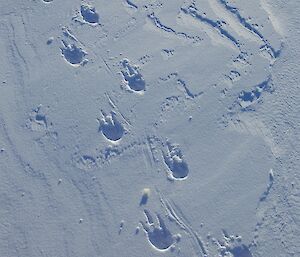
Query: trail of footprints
pixel 162 239
pixel 163 152
pixel 157 232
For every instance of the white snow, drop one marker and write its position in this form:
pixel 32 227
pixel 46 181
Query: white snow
pixel 149 128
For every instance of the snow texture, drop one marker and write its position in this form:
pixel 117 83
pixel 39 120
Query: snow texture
pixel 149 128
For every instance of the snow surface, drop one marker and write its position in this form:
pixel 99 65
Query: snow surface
pixel 149 128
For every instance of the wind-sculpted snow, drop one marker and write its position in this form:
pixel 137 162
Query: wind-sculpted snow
pixel 149 128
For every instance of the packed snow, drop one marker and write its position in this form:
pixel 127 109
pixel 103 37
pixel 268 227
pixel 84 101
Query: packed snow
pixel 149 128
